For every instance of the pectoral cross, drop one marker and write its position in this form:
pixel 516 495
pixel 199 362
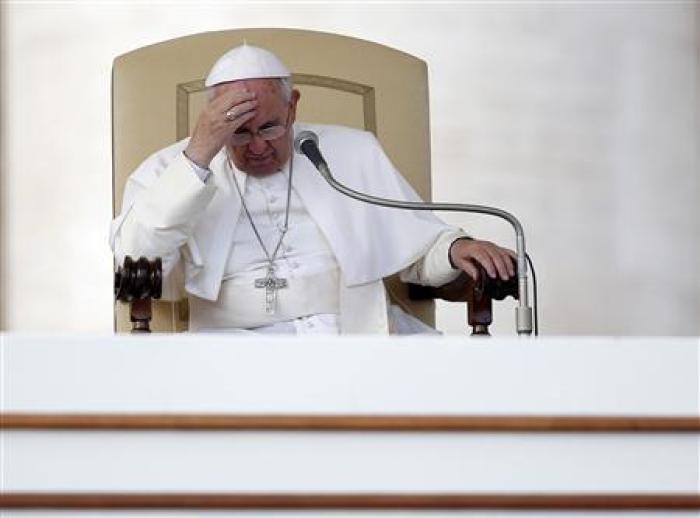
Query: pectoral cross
pixel 271 283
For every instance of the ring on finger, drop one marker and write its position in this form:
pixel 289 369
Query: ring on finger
pixel 230 115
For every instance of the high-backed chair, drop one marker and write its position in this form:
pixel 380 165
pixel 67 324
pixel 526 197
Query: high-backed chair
pixel 158 91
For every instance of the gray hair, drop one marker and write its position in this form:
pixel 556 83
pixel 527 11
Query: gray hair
pixel 286 88
pixel 285 84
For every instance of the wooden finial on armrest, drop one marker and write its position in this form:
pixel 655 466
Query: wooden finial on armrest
pixel 137 282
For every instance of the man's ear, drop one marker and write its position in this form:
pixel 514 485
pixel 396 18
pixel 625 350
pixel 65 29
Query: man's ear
pixel 296 95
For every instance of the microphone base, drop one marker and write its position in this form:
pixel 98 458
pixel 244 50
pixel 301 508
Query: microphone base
pixel 523 320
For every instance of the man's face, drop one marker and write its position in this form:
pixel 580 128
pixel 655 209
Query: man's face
pixel 262 157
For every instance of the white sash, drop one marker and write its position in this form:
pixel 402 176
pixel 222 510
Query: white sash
pixel 242 306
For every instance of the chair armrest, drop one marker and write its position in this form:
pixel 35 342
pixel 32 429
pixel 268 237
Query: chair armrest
pixel 477 294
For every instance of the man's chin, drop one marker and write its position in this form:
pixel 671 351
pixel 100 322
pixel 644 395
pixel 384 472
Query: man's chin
pixel 260 167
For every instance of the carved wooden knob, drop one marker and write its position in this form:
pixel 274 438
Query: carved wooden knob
pixel 497 288
pixel 138 280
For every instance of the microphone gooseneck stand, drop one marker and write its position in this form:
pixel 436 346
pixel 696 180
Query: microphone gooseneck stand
pixel 306 143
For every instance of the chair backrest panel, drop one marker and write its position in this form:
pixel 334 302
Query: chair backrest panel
pixel 325 100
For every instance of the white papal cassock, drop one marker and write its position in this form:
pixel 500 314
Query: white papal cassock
pixel 334 256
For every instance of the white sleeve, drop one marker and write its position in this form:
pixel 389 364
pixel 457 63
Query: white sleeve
pixel 162 202
pixel 434 268
pixel 203 172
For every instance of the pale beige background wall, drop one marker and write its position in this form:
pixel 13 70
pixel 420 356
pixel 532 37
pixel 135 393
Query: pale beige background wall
pixel 580 118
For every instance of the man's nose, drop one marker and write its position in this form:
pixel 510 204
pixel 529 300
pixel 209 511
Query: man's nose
pixel 257 145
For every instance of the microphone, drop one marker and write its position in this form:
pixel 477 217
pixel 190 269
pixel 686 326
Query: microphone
pixel 306 143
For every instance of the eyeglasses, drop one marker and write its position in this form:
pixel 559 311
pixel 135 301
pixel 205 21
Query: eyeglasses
pixel 243 138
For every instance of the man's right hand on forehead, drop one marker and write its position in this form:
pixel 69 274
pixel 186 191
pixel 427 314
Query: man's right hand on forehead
pixel 220 118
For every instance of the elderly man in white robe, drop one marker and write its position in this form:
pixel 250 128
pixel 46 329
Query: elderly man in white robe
pixel 265 245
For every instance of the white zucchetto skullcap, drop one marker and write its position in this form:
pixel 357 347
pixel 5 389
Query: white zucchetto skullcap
pixel 246 62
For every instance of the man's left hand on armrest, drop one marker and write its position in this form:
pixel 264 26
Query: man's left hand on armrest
pixel 496 260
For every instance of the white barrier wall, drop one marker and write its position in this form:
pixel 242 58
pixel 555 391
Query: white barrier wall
pixel 170 379
pixel 580 118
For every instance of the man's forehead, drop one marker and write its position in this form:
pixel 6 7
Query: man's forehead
pixel 260 86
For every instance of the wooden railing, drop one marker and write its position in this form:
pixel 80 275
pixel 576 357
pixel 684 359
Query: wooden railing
pixel 407 423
